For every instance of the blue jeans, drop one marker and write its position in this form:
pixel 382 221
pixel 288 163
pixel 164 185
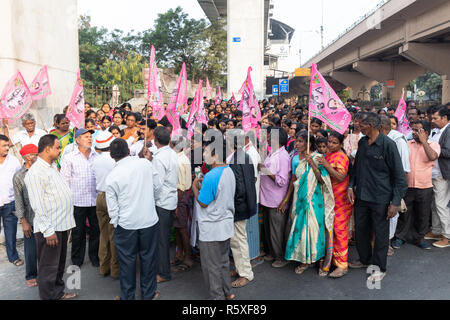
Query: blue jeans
pixel 30 253
pixel 10 229
pixel 129 245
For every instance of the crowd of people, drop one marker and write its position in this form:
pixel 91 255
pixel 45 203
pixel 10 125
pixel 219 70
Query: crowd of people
pixel 124 186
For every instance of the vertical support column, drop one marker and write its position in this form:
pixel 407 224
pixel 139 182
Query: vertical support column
pixel 445 89
pixel 245 43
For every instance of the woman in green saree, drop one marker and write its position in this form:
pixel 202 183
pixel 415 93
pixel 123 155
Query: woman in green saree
pixel 63 133
pixel 312 211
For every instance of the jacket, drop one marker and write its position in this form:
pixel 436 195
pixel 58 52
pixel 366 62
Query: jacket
pixel 245 194
pixel 444 157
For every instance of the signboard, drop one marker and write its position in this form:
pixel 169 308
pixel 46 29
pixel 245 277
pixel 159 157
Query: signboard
pixel 303 72
pixel 284 85
pixel 237 39
pixel 390 84
pixel 274 90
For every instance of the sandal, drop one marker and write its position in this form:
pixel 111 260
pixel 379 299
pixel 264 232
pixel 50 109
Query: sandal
pixel 240 282
pixel 176 262
pixel 31 283
pixel 230 297
pixel 301 268
pixel 160 279
pixel 182 267
pixel 18 262
pixel 338 272
pixel 322 273
pixel 67 296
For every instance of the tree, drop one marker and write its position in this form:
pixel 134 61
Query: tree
pixel 431 83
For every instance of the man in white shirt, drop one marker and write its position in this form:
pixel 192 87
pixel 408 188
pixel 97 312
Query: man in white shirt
pixel 9 165
pixel 30 135
pixel 144 129
pixel 130 189
pixel 77 170
pixel 102 166
pixel 166 164
pixel 52 202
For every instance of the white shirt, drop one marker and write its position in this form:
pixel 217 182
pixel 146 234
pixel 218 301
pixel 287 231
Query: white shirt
pixel 7 170
pixel 77 170
pixel 165 162
pixel 130 189
pixel 24 138
pixel 402 147
pixel 136 147
pixel 256 158
pixel 102 166
pixel 184 172
pixel 50 198
pixel 436 173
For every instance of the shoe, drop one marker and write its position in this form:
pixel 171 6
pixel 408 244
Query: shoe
pixel 432 236
pixel 279 263
pixel 424 245
pixel 443 243
pixel 397 243
pixel 376 276
pixel 268 258
pixel 357 265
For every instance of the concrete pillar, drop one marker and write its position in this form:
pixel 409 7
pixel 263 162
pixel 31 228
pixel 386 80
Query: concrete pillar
pixel 359 84
pixel 445 89
pixel 249 50
pixel 432 56
pixel 36 33
pixel 382 71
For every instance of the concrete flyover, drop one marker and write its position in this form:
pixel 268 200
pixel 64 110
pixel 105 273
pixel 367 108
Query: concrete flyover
pixel 247 29
pixel 397 42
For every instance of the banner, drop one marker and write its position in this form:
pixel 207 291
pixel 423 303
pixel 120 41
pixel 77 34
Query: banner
pixel 325 105
pixel 40 87
pixel 75 112
pixel 219 97
pixel 178 101
pixel 251 113
pixel 208 89
pixel 16 98
pixel 154 92
pixel 400 114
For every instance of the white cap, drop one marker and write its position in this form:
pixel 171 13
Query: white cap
pixel 104 139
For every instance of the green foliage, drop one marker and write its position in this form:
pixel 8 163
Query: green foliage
pixel 344 95
pixel 430 82
pixel 113 57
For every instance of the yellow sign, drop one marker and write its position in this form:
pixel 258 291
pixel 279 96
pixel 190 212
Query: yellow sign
pixel 302 72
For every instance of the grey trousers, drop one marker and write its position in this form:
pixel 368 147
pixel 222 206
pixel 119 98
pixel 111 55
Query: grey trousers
pixel 274 232
pixel 165 224
pixel 215 261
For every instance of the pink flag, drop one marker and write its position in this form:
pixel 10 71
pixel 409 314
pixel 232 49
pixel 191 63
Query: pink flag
pixel 251 113
pixel 75 112
pixel 40 87
pixel 400 114
pixel 16 98
pixel 325 105
pixel 208 89
pixel 197 114
pixel 233 99
pixel 219 97
pixel 154 92
pixel 177 101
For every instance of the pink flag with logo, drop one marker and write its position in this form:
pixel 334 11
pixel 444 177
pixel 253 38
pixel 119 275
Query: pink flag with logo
pixel 154 92
pixel 400 114
pixel 16 98
pixel 197 114
pixel 325 105
pixel 178 101
pixel 208 89
pixel 233 99
pixel 251 113
pixel 40 87
pixel 219 97
pixel 75 112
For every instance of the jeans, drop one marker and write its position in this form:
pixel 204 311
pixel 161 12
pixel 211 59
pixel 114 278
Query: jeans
pixel 30 257
pixel 10 229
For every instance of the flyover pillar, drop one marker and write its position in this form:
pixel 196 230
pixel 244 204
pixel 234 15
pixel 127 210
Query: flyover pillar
pixel 359 84
pixel 445 89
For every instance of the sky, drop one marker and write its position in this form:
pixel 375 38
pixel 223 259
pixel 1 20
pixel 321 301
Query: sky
pixel 304 16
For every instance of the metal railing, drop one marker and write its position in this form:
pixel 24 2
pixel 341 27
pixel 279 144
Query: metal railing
pixel 98 95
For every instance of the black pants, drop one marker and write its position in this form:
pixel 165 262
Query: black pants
pixel 165 222
pixel 372 217
pixel 129 244
pixel 79 235
pixel 416 219
pixel 51 265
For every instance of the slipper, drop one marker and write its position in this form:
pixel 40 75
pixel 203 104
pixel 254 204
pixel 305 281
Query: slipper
pixel 159 279
pixel 68 296
pixel 176 262
pixel 31 283
pixel 182 267
pixel 300 269
pixel 156 296
pixel 240 282
pixel 230 297
pixel 18 262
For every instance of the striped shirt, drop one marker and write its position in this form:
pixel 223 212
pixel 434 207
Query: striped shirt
pixel 77 170
pixel 50 199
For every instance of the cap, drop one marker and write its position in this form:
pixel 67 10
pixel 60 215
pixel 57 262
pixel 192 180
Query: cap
pixel 82 131
pixel 27 149
pixel 104 139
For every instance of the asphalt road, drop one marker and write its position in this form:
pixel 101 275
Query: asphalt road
pixel 413 273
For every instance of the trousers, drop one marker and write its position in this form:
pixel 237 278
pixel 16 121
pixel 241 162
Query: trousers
pixel 240 250
pixel 79 235
pixel 440 211
pixel 274 232
pixel 10 230
pixel 165 222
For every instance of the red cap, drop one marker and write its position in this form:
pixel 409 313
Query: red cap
pixel 29 148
